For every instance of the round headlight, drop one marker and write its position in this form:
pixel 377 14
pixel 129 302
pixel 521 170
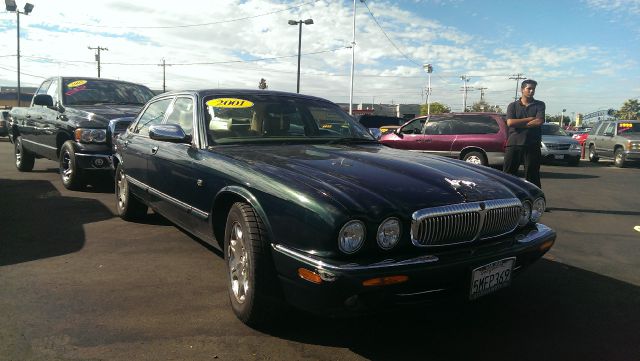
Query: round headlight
pixel 351 237
pixel 388 233
pixel 98 135
pixel 525 214
pixel 539 205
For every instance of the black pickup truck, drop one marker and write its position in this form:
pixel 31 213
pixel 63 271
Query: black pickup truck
pixel 74 120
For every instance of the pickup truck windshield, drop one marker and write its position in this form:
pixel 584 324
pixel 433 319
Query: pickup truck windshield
pixel 255 118
pixel 78 91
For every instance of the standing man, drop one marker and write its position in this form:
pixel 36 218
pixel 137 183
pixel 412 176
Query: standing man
pixel 524 119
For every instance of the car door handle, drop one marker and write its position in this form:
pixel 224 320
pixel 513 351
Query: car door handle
pixel 154 150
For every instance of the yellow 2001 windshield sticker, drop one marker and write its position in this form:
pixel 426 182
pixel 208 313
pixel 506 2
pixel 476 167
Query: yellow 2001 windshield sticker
pixel 229 103
pixel 76 83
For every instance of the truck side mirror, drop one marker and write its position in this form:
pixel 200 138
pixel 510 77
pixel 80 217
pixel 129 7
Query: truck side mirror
pixel 43 99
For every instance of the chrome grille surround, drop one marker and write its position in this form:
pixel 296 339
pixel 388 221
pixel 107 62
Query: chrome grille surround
pixel 464 222
pixel 557 146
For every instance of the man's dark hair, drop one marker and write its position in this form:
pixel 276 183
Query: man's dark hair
pixel 527 82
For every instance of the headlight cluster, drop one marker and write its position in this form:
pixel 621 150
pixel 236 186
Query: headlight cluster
pixel 353 234
pixel 532 212
pixel 634 146
pixel 575 146
pixel 91 135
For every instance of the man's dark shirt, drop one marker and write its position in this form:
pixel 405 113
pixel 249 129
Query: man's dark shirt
pixel 525 136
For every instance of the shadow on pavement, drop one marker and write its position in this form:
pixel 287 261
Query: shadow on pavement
pixel 596 211
pixel 51 224
pixel 556 175
pixel 592 317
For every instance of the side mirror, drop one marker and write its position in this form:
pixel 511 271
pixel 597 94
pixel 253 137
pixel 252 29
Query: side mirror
pixel 375 132
pixel 169 133
pixel 43 99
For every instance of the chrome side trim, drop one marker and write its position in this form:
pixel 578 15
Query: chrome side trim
pixel 38 144
pixel 179 204
pixel 309 260
pixel 419 293
pixel 541 232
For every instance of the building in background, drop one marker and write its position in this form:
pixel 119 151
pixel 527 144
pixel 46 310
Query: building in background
pixel 9 96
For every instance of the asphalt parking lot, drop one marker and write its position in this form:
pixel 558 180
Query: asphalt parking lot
pixel 78 283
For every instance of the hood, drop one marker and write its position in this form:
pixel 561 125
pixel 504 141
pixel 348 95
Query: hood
pixel 98 116
pixel 372 179
pixel 559 139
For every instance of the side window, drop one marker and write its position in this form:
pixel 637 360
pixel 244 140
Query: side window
pixel 44 87
pixel 438 127
pixel 53 91
pixel 151 116
pixel 610 128
pixel 603 126
pixel 475 124
pixel 414 127
pixel 182 114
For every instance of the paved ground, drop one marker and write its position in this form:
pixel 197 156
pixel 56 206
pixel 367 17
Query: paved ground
pixel 77 283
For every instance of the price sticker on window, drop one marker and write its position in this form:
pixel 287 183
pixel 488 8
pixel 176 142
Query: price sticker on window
pixel 229 103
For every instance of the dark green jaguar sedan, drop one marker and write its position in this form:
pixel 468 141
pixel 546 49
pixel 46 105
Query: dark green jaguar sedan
pixel 310 210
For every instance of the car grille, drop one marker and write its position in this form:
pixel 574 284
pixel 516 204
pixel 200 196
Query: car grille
pixel 465 222
pixel 554 146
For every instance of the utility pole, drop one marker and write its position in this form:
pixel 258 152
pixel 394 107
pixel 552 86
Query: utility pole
pixel 482 89
pixel 465 80
pixel 517 78
pixel 98 48
pixel 164 75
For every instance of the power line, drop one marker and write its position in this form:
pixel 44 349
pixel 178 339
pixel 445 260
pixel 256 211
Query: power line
pixel 194 25
pixel 517 78
pixel 387 36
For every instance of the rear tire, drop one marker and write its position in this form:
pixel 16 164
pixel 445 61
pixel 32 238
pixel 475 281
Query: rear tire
pixel 252 282
pixel 24 159
pixel 619 158
pixel 71 175
pixel 593 156
pixel 128 206
pixel 475 158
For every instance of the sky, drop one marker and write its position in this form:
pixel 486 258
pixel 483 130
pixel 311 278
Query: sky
pixel 582 53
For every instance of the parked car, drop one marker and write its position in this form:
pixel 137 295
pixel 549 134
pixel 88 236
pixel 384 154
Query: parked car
pixel 557 145
pixel 580 136
pixel 68 122
pixel 619 139
pixel 4 123
pixel 478 138
pixel 382 122
pixel 324 218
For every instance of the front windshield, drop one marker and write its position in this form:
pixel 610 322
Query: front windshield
pixel 78 91
pixel 255 117
pixel 628 128
pixel 552 129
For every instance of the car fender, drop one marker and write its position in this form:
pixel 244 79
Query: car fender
pixel 249 198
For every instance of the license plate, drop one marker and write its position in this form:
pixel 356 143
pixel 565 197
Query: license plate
pixel 491 277
pixel 558 156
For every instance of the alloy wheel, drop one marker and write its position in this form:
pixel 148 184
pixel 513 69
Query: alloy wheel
pixel 238 263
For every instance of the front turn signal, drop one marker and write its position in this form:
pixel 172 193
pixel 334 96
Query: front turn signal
pixel 310 276
pixel 385 281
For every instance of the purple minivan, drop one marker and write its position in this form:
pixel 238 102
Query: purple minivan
pixel 478 138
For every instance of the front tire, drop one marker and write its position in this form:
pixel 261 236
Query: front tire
pixel 593 156
pixel 24 159
pixel 251 281
pixel 128 206
pixel 475 158
pixel 619 158
pixel 70 173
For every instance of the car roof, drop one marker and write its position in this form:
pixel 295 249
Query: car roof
pixel 235 91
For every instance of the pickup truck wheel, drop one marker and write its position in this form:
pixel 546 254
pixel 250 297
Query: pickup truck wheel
pixel 593 156
pixel 128 206
pixel 72 177
pixel 24 159
pixel 475 158
pixel 251 281
pixel 619 158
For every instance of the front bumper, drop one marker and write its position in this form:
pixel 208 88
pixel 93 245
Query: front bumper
pixel 561 155
pixel 631 155
pixel 94 161
pixel 442 272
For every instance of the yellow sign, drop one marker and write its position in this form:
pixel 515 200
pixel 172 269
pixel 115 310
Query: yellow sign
pixel 76 83
pixel 625 125
pixel 229 103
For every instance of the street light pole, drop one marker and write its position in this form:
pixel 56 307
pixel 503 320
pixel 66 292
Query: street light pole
pixel 299 23
pixel 12 7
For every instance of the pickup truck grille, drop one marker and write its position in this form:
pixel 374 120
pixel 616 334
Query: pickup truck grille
pixel 464 222
pixel 555 146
